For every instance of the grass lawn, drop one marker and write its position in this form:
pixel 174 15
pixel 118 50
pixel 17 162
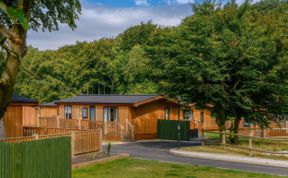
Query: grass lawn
pixel 128 168
pixel 231 151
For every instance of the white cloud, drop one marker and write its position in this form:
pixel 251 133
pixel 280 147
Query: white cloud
pixel 185 1
pixel 141 2
pixel 97 22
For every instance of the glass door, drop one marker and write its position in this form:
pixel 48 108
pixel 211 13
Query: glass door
pixel 92 113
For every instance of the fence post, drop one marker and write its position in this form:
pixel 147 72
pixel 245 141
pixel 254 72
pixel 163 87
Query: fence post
pixel 100 140
pixel 37 120
pixel 251 142
pixel 203 137
pixel 79 123
pixel 263 132
pixel 58 122
pixel 223 136
pixel 36 136
pixel 132 132
pixel 72 143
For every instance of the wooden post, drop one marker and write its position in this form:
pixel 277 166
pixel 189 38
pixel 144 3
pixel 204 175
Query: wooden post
pixel 72 143
pixel 37 120
pixel 100 140
pixel 132 132
pixel 58 122
pixel 223 135
pixel 79 123
pixel 251 142
pixel 263 132
pixel 36 136
pixel 203 137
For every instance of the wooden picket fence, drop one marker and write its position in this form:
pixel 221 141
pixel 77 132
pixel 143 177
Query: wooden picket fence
pixel 81 141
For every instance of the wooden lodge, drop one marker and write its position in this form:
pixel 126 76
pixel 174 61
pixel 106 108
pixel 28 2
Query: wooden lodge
pixel 122 117
pixel 21 111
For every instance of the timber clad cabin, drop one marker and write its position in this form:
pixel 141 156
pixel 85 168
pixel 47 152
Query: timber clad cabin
pixel 21 111
pixel 135 116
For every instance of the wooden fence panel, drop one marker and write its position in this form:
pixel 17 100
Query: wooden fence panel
pixel 45 158
pixel 86 142
pixel 83 141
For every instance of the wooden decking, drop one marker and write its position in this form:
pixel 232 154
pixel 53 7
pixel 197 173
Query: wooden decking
pixel 111 131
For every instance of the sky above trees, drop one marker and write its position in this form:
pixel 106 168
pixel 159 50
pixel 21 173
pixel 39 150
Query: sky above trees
pixel 108 18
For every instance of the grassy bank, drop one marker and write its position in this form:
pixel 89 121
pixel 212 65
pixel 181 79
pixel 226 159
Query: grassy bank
pixel 135 168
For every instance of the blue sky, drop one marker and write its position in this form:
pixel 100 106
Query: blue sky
pixel 133 3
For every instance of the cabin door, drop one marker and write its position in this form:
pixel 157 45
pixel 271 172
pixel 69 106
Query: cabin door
pixel 110 114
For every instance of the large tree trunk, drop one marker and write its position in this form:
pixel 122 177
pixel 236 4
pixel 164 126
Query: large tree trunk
pixel 235 138
pixel 7 82
pixel 17 49
pixel 221 120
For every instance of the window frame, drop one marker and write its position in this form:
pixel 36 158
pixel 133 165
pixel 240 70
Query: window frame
pixel 107 110
pixel 67 112
pixel 95 115
pixel 87 114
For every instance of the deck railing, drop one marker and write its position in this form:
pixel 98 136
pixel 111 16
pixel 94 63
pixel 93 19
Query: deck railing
pixel 52 122
pixel 278 132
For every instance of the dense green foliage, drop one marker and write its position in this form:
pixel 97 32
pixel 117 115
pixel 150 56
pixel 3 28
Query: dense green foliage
pixel 232 56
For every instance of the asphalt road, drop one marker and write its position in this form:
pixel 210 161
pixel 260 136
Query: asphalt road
pixel 159 150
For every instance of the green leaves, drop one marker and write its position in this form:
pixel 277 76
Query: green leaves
pixel 15 15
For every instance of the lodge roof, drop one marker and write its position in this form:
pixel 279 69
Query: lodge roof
pixel 49 104
pixel 110 99
pixel 22 99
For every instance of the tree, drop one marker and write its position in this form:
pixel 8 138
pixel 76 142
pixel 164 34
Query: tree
pixel 16 16
pixel 227 56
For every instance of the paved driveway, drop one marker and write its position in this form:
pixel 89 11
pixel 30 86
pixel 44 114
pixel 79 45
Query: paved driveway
pixel 159 150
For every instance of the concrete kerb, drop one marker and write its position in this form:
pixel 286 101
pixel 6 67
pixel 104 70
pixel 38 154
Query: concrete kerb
pixel 89 163
pixel 231 158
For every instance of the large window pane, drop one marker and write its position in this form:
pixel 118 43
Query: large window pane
pixel 68 112
pixel 92 113
pixel 84 113
pixel 110 114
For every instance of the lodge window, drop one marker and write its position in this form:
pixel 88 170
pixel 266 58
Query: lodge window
pixel 188 114
pixel 247 123
pixel 110 114
pixel 202 117
pixel 167 113
pixel 84 113
pixel 92 113
pixel 68 112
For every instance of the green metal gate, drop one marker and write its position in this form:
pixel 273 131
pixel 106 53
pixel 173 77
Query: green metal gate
pixel 168 130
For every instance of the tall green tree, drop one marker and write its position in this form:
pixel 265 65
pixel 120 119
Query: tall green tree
pixel 225 55
pixel 16 16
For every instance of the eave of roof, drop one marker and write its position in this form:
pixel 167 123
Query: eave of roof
pixel 22 99
pixel 108 99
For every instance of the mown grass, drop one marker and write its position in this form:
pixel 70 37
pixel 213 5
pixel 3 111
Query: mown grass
pixel 136 168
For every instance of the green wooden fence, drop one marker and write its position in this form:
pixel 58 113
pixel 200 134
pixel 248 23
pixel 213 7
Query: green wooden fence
pixel 168 130
pixel 47 158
